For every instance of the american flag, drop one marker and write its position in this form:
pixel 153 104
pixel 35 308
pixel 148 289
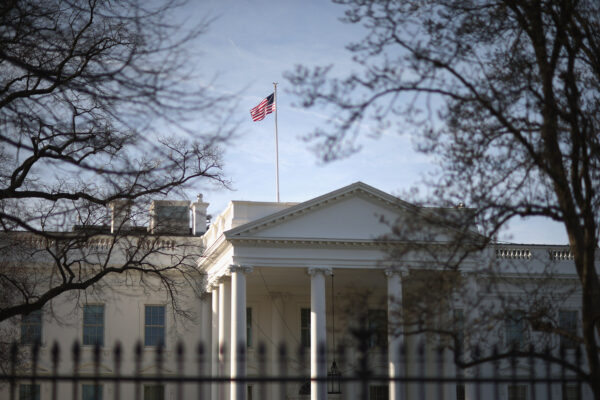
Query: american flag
pixel 265 107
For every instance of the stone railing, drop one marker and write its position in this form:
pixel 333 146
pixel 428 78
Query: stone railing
pixel 523 253
pixel 516 253
pixel 37 242
pixel 561 255
pixel 98 243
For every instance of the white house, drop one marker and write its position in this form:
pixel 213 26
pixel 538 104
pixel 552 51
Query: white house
pixel 307 274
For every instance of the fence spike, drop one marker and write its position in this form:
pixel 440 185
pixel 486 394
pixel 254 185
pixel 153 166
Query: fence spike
pixel 55 354
pixel 223 351
pixel 262 350
pixel 159 356
pixel 138 350
pixel 282 351
pixel 483 379
pixel 117 352
pixel 200 357
pixel 179 352
pixel 200 350
pixel 35 353
pixel 14 351
pixel 97 354
pixel 76 351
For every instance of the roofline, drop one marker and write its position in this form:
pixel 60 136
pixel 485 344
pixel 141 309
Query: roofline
pixel 529 244
pixel 321 199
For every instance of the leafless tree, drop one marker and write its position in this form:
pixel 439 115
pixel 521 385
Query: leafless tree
pixel 505 94
pixel 101 103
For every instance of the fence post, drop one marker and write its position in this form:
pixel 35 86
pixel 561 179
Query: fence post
pixel 76 359
pixel 117 352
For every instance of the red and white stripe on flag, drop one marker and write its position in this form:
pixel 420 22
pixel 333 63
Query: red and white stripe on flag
pixel 265 107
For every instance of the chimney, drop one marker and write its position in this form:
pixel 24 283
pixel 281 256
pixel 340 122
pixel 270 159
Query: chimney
pixel 120 215
pixel 199 216
pixel 170 216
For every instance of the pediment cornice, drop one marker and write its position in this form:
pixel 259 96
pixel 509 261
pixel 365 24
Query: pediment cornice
pixel 328 243
pixel 357 189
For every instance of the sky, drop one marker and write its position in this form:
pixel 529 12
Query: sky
pixel 253 43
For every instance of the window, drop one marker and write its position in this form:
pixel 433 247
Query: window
pixel 91 392
pixel 154 328
pixel 377 320
pixel 517 392
pixel 154 392
pixel 305 327
pixel 93 325
pixel 31 328
pixel 378 392
pixel 249 327
pixel 571 391
pixel 249 394
pixel 29 392
pixel 567 321
pixel 515 329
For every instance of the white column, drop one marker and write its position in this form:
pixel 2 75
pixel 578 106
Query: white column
pixel 224 331
pixel 318 332
pixel 278 336
pixel 238 330
pixel 395 331
pixel 214 348
pixel 205 332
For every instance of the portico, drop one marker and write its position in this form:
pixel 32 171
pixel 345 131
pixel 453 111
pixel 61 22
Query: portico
pixel 269 267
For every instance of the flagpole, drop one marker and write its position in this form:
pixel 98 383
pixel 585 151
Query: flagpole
pixel 276 143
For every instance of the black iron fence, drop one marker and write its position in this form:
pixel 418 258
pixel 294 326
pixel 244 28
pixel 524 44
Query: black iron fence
pixel 94 373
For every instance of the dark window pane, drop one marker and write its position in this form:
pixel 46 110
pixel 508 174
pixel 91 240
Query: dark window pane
pixel 567 321
pixel 154 392
pixel 515 329
pixel 31 328
pixel 93 325
pixel 154 329
pixel 378 392
pixel 377 327
pixel 305 327
pixel 91 392
pixel 249 326
pixel 29 392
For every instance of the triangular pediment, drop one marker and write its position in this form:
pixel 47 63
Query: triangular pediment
pixel 357 212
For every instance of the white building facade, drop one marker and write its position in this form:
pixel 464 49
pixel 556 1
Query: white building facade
pixel 303 275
